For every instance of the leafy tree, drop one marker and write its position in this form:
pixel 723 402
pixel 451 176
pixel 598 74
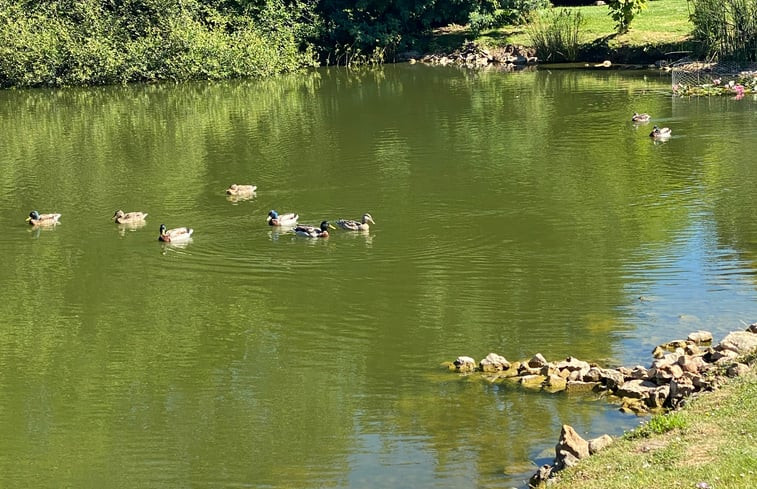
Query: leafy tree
pixel 624 11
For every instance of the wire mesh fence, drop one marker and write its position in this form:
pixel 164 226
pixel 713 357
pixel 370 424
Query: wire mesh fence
pixel 691 77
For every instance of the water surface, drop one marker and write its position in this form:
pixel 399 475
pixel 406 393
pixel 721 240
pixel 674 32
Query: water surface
pixel 516 213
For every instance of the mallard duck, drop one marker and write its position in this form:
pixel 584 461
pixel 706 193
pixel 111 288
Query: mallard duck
pixel 276 219
pixel 351 225
pixel 122 217
pixel 314 232
pixel 37 219
pixel 660 132
pixel 175 235
pixel 641 117
pixel 235 189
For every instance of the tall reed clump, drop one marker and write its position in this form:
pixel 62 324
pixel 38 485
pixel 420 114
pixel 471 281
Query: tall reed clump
pixel 726 28
pixel 555 34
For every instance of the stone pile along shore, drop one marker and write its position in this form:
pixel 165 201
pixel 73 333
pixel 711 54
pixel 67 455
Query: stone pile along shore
pixel 471 55
pixel 680 369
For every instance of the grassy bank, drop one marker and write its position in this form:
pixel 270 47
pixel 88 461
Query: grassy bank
pixel 710 443
pixel 663 27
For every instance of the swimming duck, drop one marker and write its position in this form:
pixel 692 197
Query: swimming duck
pixel 352 225
pixel 37 219
pixel 175 235
pixel 276 219
pixel 235 189
pixel 122 217
pixel 660 132
pixel 641 117
pixel 314 232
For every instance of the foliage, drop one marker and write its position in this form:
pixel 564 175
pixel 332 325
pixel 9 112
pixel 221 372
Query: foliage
pixel 92 42
pixel 554 33
pixel 496 13
pixel 727 28
pixel 657 425
pixel 624 11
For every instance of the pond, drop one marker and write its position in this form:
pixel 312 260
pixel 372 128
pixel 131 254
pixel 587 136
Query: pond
pixel 515 213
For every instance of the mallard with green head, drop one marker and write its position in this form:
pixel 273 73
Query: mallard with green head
pixel 660 132
pixel 238 190
pixel 276 219
pixel 175 235
pixel 314 232
pixel 122 217
pixel 352 225
pixel 641 117
pixel 37 219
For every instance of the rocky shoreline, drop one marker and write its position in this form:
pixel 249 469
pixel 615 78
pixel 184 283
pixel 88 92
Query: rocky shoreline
pixel 680 369
pixel 516 57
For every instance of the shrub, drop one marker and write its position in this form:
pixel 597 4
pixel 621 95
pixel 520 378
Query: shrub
pixel 555 34
pixel 727 28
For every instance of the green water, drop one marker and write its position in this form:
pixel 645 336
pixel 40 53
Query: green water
pixel 516 213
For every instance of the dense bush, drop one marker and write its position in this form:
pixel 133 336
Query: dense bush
pixel 88 42
pixel 496 13
pixel 727 28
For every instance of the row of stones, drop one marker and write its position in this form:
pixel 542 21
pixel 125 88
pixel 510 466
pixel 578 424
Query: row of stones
pixel 680 369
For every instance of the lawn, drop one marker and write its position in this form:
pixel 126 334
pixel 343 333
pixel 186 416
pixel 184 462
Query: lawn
pixel 664 22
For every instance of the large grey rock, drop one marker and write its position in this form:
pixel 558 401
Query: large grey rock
pixel 700 336
pixel 599 443
pixel 635 389
pixel 741 342
pixel 571 446
pixel 494 363
pixel 538 361
pixel 465 364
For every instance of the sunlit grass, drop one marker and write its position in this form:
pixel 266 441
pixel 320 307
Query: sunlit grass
pixel 711 441
pixel 663 22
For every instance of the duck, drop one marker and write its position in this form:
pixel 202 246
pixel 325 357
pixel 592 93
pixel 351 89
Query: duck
pixel 314 232
pixel 641 117
pixel 37 219
pixel 122 217
pixel 175 235
pixel 276 219
pixel 352 225
pixel 235 189
pixel 660 132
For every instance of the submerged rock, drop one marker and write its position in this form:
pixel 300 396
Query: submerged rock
pixel 464 364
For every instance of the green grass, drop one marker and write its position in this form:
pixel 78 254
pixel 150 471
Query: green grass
pixel 664 22
pixel 712 440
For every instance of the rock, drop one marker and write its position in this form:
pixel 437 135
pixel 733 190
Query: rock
pixel 700 337
pixel 634 406
pixel 524 369
pixel 737 370
pixel 570 365
pixel 465 364
pixel 658 397
pixel 639 372
pixel 593 375
pixel 538 361
pixel 752 328
pixel 494 363
pixel 741 342
pixel 541 476
pixel 679 390
pixel 612 378
pixel 532 380
pixel 599 443
pixel 635 389
pixel 570 448
pixel 554 383
pixel 580 386
pixel 658 352
pixel 691 364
